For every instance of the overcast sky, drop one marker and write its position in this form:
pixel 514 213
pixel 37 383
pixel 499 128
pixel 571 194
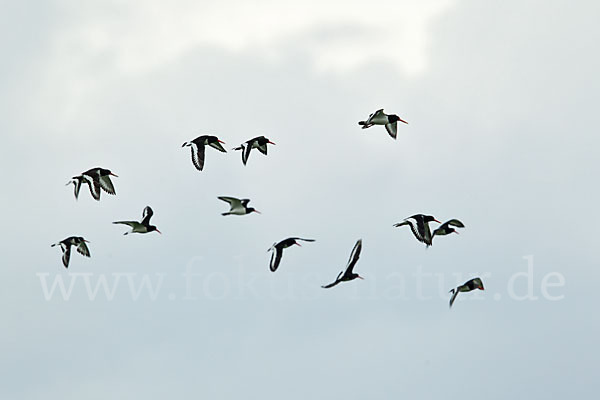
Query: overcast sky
pixel 501 100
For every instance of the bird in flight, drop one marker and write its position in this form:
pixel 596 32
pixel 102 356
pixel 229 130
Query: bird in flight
pixel 143 226
pixel 473 284
pixel 259 142
pixel 390 121
pixel 65 246
pixel 98 178
pixel 446 228
pixel 197 146
pixel 277 250
pixel 77 181
pixel 419 225
pixel 237 206
pixel 348 275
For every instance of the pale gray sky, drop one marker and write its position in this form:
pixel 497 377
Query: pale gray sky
pixel 501 102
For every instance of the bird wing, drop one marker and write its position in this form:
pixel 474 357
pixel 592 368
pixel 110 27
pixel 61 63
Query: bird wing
pixel 233 202
pixel 246 147
pixel 133 224
pixel 107 185
pixel 354 256
pixel 245 202
pixel 83 249
pixel 454 294
pixel 392 129
pixel 94 185
pixel 337 280
pixel 454 222
pixel 306 240
pixel 198 155
pixel 146 215
pixel 276 258
pixel 66 256
pixel 413 228
pixel 217 145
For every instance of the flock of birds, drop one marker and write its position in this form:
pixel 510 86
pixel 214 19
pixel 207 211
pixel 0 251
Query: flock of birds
pixel 98 180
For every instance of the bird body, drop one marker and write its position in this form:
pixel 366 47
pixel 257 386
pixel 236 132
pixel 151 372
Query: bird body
pixel 237 206
pixel 259 142
pixel 348 274
pixel 65 245
pixel 198 148
pixel 277 250
pixel 143 226
pixel 390 121
pixel 419 225
pixel 98 179
pixel 468 286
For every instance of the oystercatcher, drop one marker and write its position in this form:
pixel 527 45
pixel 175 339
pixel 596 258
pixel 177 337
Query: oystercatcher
pixel 100 178
pixel 77 181
pixel 143 226
pixel 65 246
pixel 473 284
pixel 237 206
pixel 419 225
pixel 277 250
pixel 390 121
pixel 348 275
pixel 445 228
pixel 259 142
pixel 197 148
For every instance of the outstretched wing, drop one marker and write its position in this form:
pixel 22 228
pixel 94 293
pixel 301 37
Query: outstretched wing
pixel 337 280
pixel 83 249
pixel 107 185
pixel 454 294
pixel 197 155
pixel 146 215
pixel 354 256
pixel 217 145
pixel 94 185
pixel 133 224
pixel 246 147
pixel 454 222
pixel 392 129
pixel 275 258
pixel 413 227
pixel 306 240
pixel 66 256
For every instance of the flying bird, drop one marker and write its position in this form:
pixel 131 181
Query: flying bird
pixel 419 225
pixel 446 228
pixel 197 146
pixel 390 121
pixel 100 178
pixel 77 181
pixel 277 250
pixel 259 142
pixel 65 246
pixel 473 284
pixel 237 206
pixel 143 226
pixel 348 275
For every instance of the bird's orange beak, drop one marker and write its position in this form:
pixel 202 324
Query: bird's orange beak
pixel 401 120
pixel 437 221
pixel 361 277
pixel 256 211
pixel 220 141
pixel 159 231
pixel 271 142
pixel 114 175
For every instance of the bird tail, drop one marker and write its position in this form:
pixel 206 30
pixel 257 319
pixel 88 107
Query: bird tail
pixel 238 148
pixel 364 124
pixel 226 213
pixel 186 144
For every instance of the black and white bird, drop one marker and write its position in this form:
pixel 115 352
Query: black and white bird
pixel 77 181
pixel 143 226
pixel 65 246
pixel 99 178
pixel 277 250
pixel 419 225
pixel 197 146
pixel 237 206
pixel 473 284
pixel 390 121
pixel 259 142
pixel 348 274
pixel 446 228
